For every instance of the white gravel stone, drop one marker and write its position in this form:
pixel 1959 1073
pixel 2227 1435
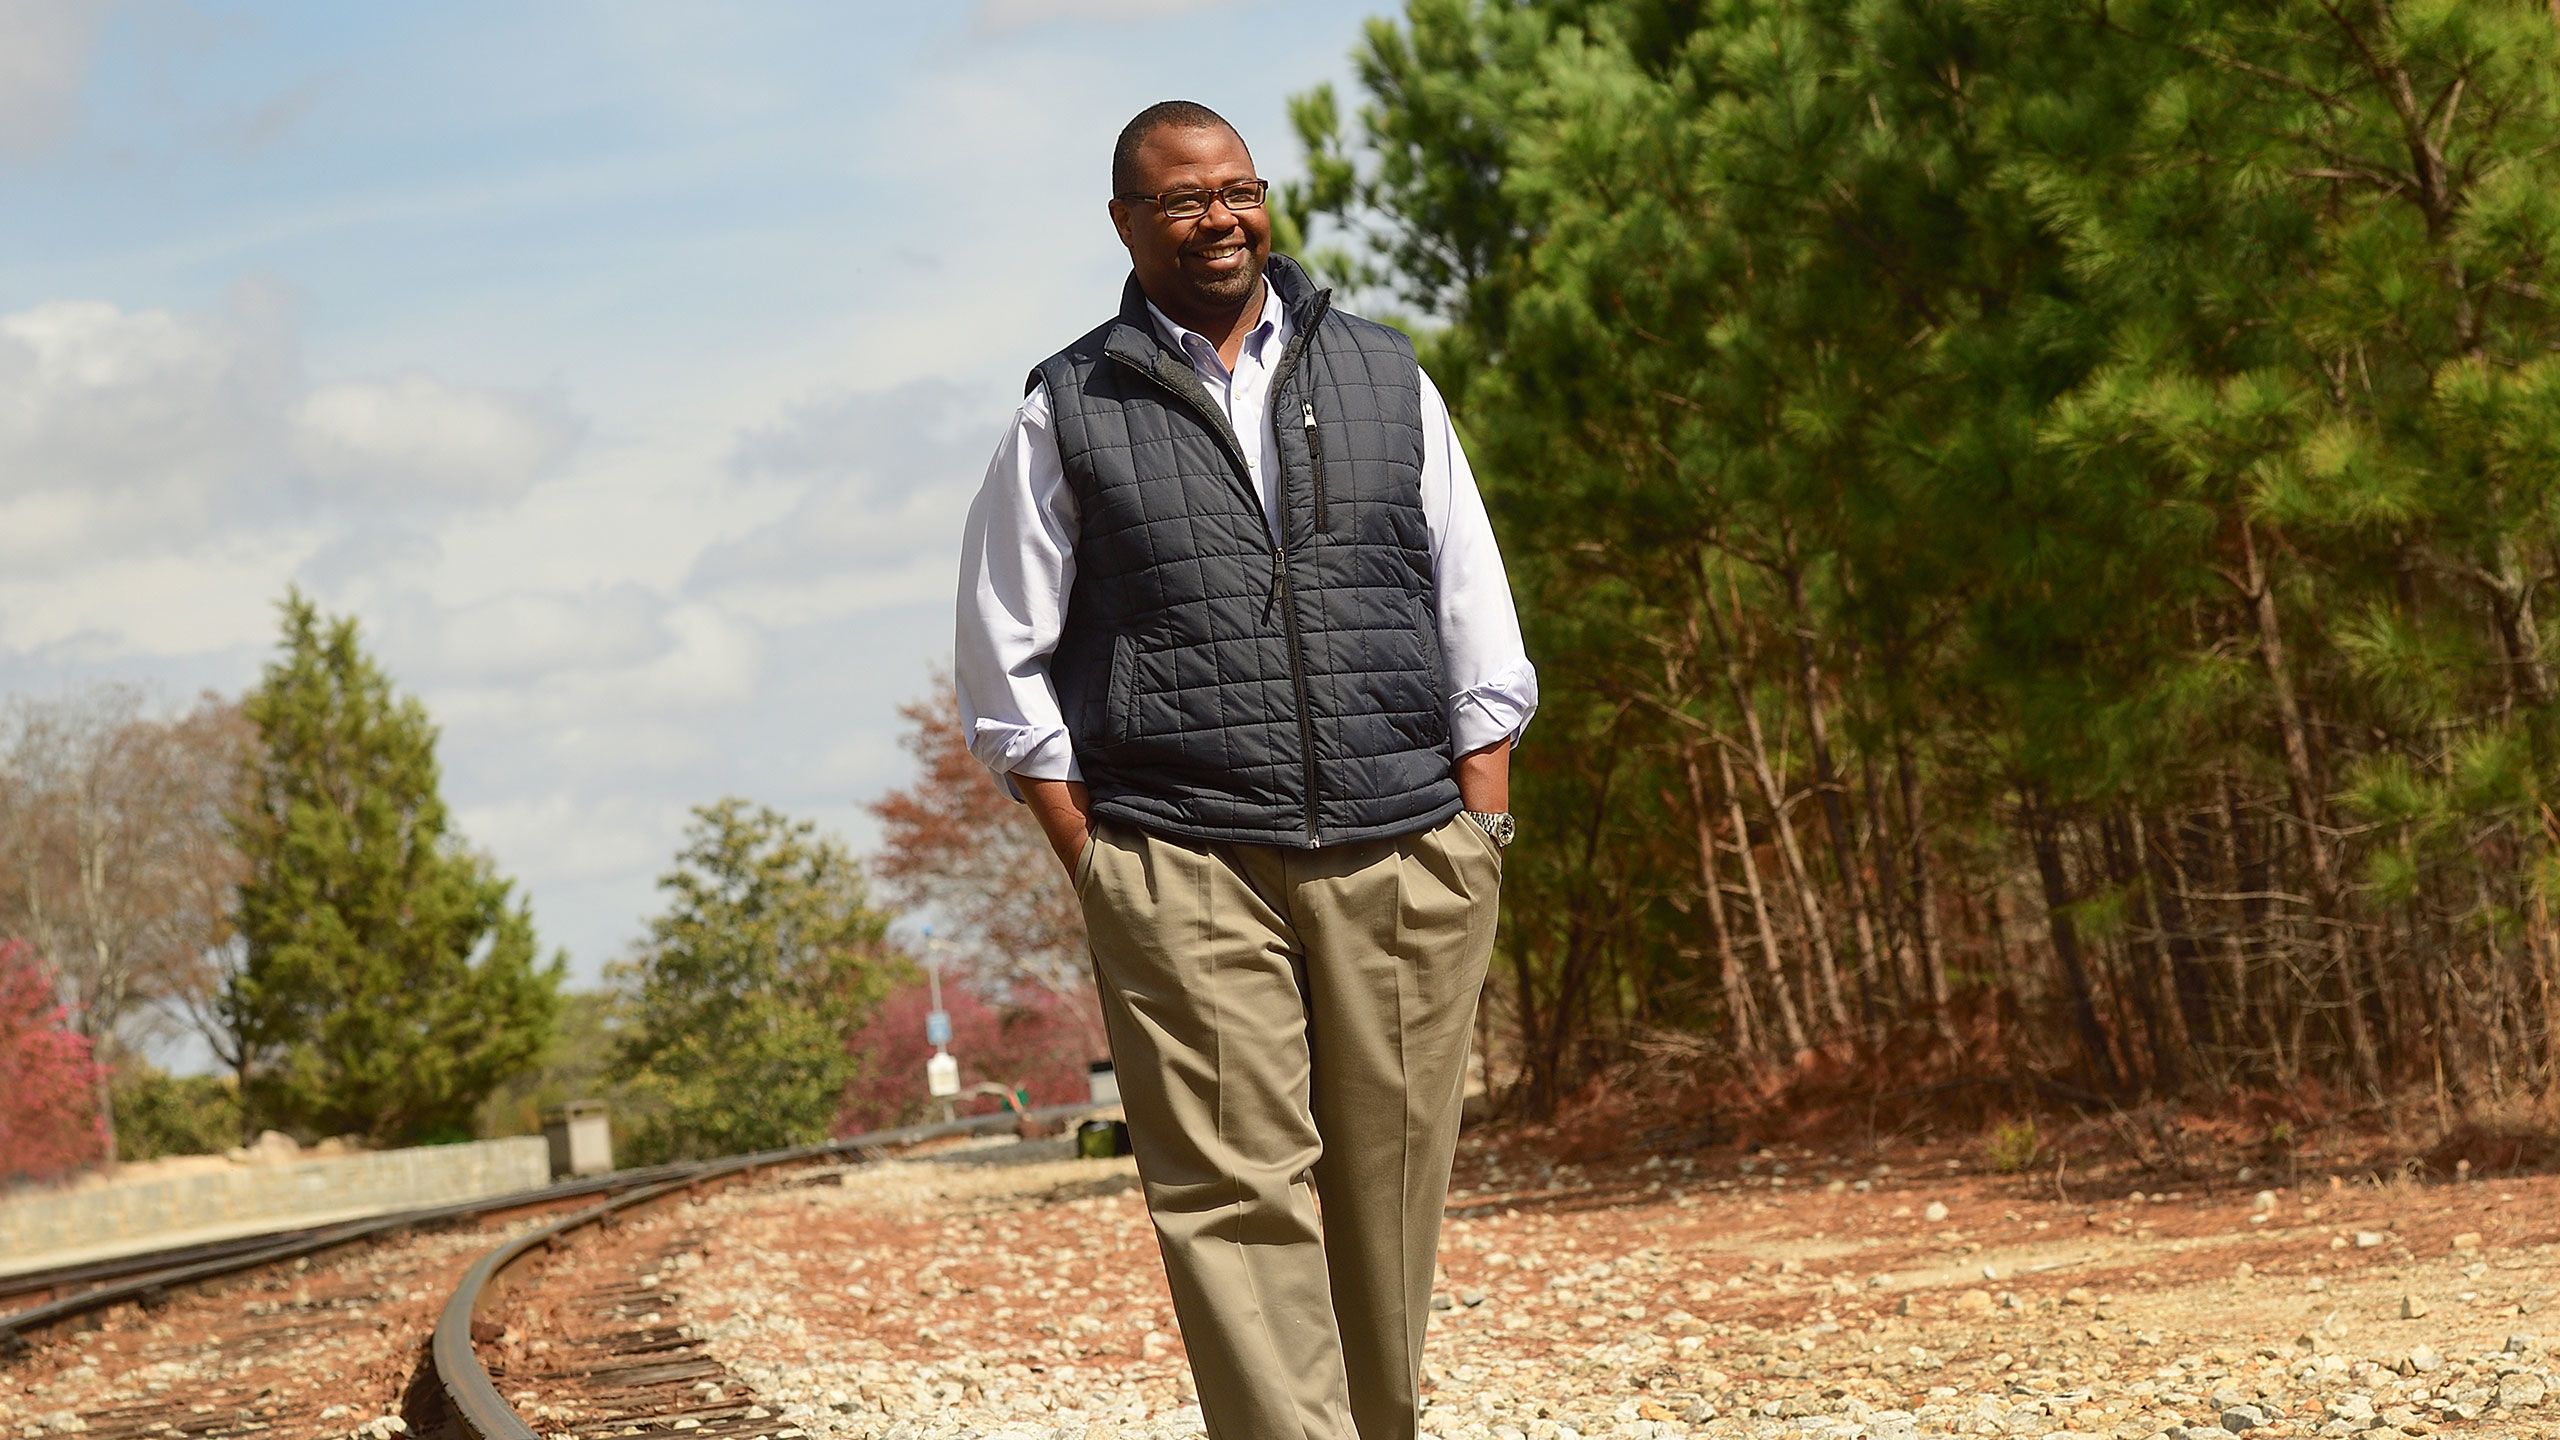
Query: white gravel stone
pixel 1547 1326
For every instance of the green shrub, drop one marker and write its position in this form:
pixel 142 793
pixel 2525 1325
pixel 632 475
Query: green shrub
pixel 162 1114
pixel 2012 1147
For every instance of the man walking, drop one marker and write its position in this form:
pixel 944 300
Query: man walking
pixel 1232 622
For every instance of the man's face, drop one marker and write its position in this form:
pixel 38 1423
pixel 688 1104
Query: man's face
pixel 1206 265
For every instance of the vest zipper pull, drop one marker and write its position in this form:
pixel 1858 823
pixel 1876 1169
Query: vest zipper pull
pixel 1273 594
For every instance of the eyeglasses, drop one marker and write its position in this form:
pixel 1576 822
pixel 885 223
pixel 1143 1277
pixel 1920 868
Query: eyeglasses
pixel 1192 204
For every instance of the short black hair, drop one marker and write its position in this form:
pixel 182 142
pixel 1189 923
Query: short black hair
pixel 1188 114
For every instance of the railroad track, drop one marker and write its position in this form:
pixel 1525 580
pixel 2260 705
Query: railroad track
pixel 27 1289
pixel 615 1363
pixel 118 1278
pixel 368 1329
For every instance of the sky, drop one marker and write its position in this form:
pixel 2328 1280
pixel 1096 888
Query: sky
pixel 625 369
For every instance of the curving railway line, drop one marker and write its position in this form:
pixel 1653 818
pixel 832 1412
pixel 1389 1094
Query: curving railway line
pixel 483 1321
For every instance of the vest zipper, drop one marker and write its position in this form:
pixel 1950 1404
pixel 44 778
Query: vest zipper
pixel 1219 427
pixel 1281 375
pixel 1315 457
pixel 1297 677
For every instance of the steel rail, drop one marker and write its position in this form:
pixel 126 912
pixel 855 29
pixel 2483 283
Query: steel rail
pixel 150 1275
pixel 86 1275
pixel 56 1280
pixel 473 1397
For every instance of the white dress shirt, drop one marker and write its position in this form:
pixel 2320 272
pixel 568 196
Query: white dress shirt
pixel 1018 566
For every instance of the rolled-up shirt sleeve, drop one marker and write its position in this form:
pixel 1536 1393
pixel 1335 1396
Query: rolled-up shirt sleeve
pixel 1493 689
pixel 1017 565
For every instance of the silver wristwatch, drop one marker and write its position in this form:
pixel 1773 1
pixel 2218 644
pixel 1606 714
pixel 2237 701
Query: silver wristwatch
pixel 1496 824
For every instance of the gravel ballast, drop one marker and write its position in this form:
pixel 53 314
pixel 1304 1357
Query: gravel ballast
pixel 1009 1291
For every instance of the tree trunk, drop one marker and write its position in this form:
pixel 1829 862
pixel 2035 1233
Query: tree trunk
pixel 2453 1080
pixel 1525 1004
pixel 1898 944
pixel 2165 1000
pixel 2066 946
pixel 2296 737
pixel 2244 945
pixel 2183 965
pixel 1543 1054
pixel 1790 1019
pixel 1828 787
pixel 1924 906
pixel 1799 876
pixel 2544 953
pixel 1737 994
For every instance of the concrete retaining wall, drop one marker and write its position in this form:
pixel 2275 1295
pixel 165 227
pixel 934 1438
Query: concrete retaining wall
pixel 48 1222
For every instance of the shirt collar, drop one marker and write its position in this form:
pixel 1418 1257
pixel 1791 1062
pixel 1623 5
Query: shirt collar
pixel 1266 330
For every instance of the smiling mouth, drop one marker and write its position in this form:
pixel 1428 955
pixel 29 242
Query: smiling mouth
pixel 1222 254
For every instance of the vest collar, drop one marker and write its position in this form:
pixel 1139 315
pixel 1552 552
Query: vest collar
pixel 1300 299
pixel 1269 323
pixel 1136 342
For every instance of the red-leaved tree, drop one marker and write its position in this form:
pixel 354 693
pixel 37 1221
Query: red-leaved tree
pixel 1036 1043
pixel 954 846
pixel 49 1123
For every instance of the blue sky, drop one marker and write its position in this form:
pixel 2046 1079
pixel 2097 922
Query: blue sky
pixel 624 368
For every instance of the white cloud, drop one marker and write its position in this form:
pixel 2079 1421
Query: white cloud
pixel 417 440
pixel 885 477
pixel 45 48
pixel 597 837
pixel 881 436
pixel 527 635
pixel 856 763
pixel 133 432
pixel 615 659
pixel 913 575
pixel 711 663
pixel 631 510
pixel 125 423
pixel 372 560
pixel 218 596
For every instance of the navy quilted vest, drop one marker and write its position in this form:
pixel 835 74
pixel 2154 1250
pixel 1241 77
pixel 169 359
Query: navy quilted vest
pixel 1217 685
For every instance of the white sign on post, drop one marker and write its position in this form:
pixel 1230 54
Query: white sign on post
pixel 942 1077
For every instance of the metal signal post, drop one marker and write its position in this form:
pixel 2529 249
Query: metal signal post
pixel 941 1073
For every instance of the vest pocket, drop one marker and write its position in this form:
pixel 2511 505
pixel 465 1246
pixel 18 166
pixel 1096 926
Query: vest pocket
pixel 1117 695
pixel 1426 626
pixel 1315 459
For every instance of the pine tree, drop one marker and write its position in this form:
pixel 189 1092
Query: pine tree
pixel 741 1005
pixel 2022 509
pixel 389 979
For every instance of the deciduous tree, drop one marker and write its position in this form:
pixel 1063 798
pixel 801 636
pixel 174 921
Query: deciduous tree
pixel 49 1124
pixel 955 847
pixel 115 859
pixel 741 1002
pixel 1032 1041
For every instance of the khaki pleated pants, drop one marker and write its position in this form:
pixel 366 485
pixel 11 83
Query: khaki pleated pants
pixel 1290 1028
